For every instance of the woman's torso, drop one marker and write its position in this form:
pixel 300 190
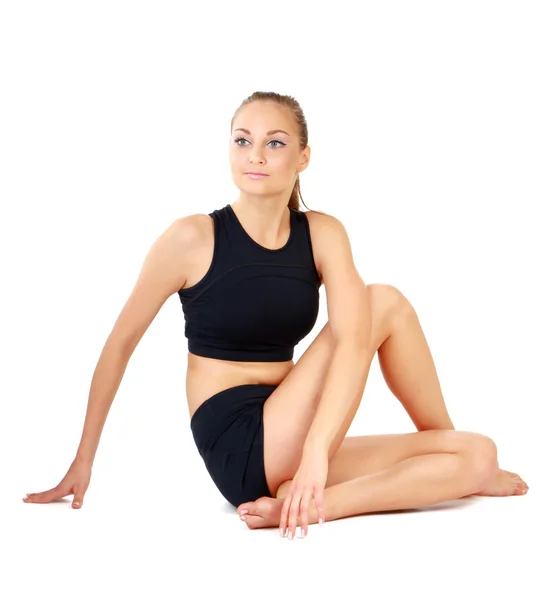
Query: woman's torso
pixel 208 376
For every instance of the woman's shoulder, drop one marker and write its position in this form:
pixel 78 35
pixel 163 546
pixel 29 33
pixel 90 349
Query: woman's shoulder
pixel 193 228
pixel 324 228
pixel 318 219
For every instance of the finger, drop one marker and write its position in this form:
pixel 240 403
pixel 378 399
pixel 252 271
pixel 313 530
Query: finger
pixel 36 494
pixel 293 513
pixel 304 514
pixel 284 514
pixel 78 498
pixel 319 499
pixel 48 496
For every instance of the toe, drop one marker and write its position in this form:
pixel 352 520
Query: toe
pixel 257 521
pixel 520 488
pixel 244 508
pixel 252 521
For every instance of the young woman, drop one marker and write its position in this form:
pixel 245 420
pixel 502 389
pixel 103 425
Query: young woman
pixel 271 432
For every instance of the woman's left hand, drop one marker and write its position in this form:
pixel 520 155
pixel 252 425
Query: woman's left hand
pixel 309 482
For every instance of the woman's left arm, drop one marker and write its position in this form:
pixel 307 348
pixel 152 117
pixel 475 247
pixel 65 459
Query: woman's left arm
pixel 350 322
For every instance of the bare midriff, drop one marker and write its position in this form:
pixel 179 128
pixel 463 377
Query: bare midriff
pixel 208 376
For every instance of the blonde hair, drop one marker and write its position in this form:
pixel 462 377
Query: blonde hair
pixel 294 106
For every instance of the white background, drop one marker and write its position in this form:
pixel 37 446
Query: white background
pixel 424 125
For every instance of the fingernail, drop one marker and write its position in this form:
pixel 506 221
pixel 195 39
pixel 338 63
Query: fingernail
pixel 321 521
pixel 76 504
pixel 290 535
pixel 243 511
pixel 281 532
pixel 243 518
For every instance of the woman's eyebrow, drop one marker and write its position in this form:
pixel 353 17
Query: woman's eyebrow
pixel 271 132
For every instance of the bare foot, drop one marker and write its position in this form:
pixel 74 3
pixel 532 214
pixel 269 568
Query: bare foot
pixel 505 483
pixel 264 512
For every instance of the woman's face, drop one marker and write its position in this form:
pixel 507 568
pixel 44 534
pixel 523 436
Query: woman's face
pixel 255 145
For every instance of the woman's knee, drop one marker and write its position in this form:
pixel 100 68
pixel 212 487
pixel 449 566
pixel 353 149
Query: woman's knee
pixel 483 459
pixel 283 489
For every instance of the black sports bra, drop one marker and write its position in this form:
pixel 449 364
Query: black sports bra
pixel 254 303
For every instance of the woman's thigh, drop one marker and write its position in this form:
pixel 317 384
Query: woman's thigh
pixel 290 409
pixel 363 455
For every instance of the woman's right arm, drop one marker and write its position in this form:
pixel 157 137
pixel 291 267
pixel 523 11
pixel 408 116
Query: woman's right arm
pixel 163 273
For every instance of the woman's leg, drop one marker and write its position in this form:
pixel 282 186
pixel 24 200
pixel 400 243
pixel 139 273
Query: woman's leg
pixel 289 411
pixel 409 370
pixel 408 367
pixel 412 483
pixel 363 455
pixel 433 466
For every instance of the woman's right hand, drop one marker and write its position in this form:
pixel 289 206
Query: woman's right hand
pixel 75 482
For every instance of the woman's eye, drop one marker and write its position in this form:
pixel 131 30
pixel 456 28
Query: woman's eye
pixel 244 139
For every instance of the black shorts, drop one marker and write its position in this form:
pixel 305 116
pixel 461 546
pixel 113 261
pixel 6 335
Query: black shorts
pixel 228 432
